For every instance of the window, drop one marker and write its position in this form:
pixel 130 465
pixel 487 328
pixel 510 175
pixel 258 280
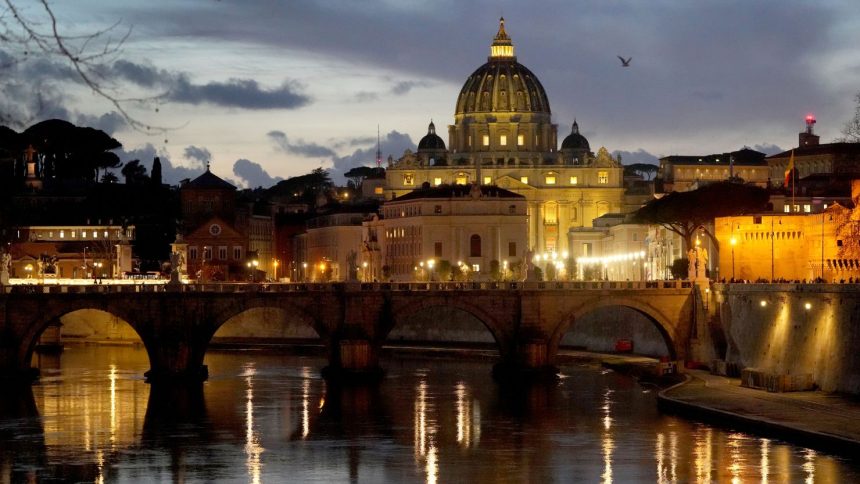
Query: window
pixel 573 213
pixel 62 234
pixel 574 180
pixel 222 252
pixel 512 249
pixel 486 140
pixel 550 180
pixel 437 209
pixel 73 234
pixel 586 249
pixel 786 208
pixel 237 252
pixel 409 179
pixel 550 213
pixel 476 267
pixel 503 140
pixel 521 140
pixel 512 209
pixel 192 253
pixel 462 179
pixel 807 208
pixel 475 246
pixel 602 177
pixel 207 253
pixel 377 191
pixel 437 249
pixel 437 181
pixel 488 180
pixel 524 179
pixel 796 208
pixel 757 219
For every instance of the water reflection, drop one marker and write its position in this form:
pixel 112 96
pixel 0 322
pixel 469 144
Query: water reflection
pixel 267 417
pixel 22 440
pixel 607 444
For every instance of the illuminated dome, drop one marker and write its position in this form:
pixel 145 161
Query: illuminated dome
pixel 431 141
pixel 575 141
pixel 502 84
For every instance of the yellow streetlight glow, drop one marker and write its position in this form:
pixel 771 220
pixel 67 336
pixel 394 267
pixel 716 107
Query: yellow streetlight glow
pixel 808 306
pixel 763 303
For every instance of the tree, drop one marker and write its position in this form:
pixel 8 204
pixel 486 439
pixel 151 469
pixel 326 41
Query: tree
pixel 645 170
pixel 851 130
pixel 109 177
pixel 69 152
pixel 155 175
pixel 358 174
pixel 35 34
pixel 134 173
pixel 686 212
pixel 304 187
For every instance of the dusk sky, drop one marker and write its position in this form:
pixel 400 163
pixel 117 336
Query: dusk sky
pixel 267 89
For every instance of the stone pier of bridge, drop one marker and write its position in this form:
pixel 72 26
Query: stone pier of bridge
pixel 527 320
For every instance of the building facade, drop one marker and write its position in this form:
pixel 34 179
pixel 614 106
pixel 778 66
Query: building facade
pixel 503 135
pixel 683 173
pixel 427 233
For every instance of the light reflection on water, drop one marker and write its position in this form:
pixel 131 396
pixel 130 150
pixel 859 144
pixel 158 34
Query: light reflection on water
pixel 264 417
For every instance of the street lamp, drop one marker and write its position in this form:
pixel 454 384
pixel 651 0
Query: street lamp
pixel 275 264
pixel 733 242
pixel 304 271
pixel 85 261
pixel 364 271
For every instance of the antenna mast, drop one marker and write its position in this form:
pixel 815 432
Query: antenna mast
pixel 378 149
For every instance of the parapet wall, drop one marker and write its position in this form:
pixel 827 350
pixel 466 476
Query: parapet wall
pixel 794 329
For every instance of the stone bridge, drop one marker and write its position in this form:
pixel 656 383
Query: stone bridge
pixel 176 323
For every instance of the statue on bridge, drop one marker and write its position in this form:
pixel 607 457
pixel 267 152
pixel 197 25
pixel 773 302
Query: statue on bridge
pixel 697 258
pixel 176 261
pixel 5 262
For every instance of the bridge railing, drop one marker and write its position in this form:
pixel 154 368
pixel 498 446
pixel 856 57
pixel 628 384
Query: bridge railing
pixel 230 287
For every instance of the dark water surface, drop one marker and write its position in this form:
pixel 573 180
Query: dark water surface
pixel 266 417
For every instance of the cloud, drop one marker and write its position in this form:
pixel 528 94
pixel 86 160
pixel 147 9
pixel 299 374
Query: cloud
pixel 110 122
pixel 170 173
pixel 200 155
pixel 768 148
pixel 638 156
pixel 237 93
pixel 253 175
pixel 393 143
pixel 301 148
pixel 404 87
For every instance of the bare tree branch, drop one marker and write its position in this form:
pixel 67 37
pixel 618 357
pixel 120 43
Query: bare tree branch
pixel 89 56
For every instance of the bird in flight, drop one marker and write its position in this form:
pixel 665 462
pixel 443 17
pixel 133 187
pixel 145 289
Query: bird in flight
pixel 625 62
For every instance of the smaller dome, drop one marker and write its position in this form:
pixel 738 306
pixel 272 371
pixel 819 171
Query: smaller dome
pixel 574 140
pixel 431 141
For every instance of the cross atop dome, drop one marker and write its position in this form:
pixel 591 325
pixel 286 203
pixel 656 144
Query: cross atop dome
pixel 502 47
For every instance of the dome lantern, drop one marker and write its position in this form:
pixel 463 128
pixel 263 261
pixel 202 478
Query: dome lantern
pixel 502 47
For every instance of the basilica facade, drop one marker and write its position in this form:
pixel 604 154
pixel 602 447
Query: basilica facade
pixel 503 135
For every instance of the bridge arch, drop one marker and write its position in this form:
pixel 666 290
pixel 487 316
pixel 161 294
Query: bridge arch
pixel 299 313
pixel 49 315
pixel 662 322
pixel 412 308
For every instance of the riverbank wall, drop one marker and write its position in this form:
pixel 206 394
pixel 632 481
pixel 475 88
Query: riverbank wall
pixel 793 330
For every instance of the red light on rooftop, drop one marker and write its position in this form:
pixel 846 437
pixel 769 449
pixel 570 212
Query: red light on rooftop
pixel 810 119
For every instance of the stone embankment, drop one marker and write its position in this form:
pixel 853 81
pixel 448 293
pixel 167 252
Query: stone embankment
pixel 816 419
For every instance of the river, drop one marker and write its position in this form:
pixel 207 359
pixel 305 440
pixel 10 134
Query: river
pixel 268 417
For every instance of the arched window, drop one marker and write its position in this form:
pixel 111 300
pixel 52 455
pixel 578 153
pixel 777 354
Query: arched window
pixel 475 246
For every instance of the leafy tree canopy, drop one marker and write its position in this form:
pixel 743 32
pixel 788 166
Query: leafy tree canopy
pixel 686 212
pixel 72 152
pixel 645 170
pixel 360 173
pixel 304 187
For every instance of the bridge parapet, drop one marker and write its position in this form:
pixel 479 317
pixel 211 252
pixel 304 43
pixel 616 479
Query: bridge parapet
pixel 241 287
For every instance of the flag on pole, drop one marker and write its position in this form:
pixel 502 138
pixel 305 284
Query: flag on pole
pixel 790 167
